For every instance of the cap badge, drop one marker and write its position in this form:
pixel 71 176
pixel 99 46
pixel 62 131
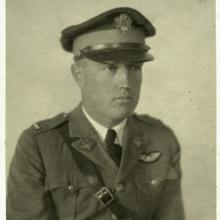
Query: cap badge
pixel 150 158
pixel 123 23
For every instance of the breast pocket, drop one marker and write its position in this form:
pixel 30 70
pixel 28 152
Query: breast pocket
pixel 73 197
pixel 150 181
pixel 64 195
pixel 86 203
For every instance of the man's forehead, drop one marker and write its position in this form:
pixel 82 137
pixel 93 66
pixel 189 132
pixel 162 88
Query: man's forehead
pixel 107 63
pixel 122 63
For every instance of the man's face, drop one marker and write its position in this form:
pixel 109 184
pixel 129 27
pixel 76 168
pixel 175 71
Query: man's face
pixel 110 91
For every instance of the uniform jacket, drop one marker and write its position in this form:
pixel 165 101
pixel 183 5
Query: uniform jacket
pixel 44 182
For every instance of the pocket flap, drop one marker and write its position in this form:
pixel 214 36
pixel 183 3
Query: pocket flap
pixel 155 175
pixel 53 183
pixel 68 182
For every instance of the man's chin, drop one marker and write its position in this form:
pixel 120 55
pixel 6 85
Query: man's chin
pixel 122 112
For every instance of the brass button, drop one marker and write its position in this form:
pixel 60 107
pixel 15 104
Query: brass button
pixel 114 217
pixel 119 187
pixel 70 188
pixel 154 182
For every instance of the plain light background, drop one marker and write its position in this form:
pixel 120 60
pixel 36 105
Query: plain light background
pixel 178 86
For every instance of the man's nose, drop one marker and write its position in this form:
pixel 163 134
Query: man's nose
pixel 123 77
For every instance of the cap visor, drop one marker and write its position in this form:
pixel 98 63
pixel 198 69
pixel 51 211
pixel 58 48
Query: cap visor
pixel 119 56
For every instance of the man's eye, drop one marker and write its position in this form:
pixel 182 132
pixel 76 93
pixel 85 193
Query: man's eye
pixel 112 68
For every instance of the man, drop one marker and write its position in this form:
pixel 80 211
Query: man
pixel 100 161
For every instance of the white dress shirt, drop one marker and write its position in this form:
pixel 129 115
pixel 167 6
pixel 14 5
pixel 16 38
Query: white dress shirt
pixel 102 131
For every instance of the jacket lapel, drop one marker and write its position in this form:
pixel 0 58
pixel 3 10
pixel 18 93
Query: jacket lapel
pixel 88 142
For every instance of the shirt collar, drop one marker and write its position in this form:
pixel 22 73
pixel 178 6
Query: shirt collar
pixel 102 131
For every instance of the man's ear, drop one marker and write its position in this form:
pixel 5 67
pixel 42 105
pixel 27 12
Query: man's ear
pixel 77 74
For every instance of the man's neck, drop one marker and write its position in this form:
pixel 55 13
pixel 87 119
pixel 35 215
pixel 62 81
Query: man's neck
pixel 102 130
pixel 105 122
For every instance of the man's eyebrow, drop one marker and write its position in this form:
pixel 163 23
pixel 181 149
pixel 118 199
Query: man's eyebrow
pixel 109 62
pixel 135 62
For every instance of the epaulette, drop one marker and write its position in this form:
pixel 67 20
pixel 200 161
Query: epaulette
pixel 148 119
pixel 48 124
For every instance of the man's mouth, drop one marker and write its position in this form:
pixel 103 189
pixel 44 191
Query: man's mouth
pixel 123 99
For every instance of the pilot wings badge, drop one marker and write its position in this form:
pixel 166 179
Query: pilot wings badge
pixel 149 158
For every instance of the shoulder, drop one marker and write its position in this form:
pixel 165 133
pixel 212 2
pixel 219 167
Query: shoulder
pixel 153 124
pixel 28 152
pixel 41 127
pixel 48 124
pixel 158 130
pixel 148 120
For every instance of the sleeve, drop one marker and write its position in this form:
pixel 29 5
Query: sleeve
pixel 171 202
pixel 26 195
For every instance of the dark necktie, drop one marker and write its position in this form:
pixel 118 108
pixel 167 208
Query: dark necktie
pixel 114 150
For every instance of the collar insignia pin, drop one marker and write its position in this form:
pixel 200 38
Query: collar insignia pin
pixel 150 158
pixel 123 23
pixel 36 126
pixel 85 144
pixel 137 141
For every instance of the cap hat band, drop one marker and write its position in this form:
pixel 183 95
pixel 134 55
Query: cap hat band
pixel 111 36
pixel 127 49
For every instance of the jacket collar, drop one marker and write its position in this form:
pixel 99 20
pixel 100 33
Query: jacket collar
pixel 80 127
pixel 102 131
pixel 135 140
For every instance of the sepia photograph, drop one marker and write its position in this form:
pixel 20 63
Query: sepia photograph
pixel 110 110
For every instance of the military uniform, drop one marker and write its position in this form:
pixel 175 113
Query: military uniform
pixel 45 183
pixel 48 179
